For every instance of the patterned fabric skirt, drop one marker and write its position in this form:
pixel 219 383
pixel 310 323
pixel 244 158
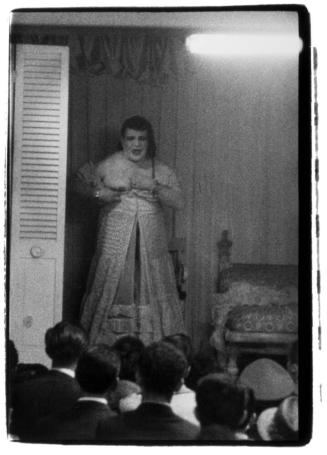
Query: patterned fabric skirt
pixel 131 287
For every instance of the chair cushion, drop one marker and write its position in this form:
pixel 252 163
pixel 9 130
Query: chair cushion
pixel 272 318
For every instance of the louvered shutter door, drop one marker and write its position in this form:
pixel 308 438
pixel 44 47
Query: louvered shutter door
pixel 38 195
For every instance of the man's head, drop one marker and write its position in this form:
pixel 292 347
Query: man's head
pixel 219 401
pixel 129 349
pixel 183 343
pixel 97 369
pixel 64 343
pixel 204 362
pixel 161 370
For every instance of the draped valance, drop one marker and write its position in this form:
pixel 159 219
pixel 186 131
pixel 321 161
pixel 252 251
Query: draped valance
pixel 144 56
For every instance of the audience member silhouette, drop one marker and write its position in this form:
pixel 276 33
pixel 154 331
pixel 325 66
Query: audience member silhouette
pixel 133 393
pixel 54 391
pixel 130 349
pixel 97 372
pixel 223 408
pixel 204 362
pixel 160 373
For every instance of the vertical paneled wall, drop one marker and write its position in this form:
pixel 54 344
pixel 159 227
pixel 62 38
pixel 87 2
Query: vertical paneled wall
pixel 230 130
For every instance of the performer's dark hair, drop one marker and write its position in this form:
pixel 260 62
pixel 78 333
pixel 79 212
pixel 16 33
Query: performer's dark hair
pixel 139 123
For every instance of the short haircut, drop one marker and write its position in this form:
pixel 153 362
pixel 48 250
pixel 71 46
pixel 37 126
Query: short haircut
pixel 220 401
pixel 183 343
pixel 65 342
pixel 129 349
pixel 97 369
pixel 161 368
pixel 204 362
pixel 139 123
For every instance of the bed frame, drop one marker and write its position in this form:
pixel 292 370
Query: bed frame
pixel 264 298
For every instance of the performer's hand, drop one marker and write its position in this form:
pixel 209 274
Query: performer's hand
pixel 108 195
pixel 143 182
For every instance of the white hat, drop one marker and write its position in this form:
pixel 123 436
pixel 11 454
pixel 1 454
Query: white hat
pixel 280 424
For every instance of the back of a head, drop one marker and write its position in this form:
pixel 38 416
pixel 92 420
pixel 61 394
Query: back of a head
pixel 183 343
pixel 129 349
pixel 97 369
pixel 220 401
pixel 204 362
pixel 161 369
pixel 64 343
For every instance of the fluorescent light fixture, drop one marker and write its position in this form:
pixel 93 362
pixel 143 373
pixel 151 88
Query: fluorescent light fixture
pixel 244 44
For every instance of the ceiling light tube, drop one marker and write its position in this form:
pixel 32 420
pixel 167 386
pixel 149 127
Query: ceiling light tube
pixel 244 44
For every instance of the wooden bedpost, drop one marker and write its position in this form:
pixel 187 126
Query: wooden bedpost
pixel 224 252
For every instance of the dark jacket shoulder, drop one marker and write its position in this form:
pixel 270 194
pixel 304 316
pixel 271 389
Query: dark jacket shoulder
pixel 78 423
pixel 36 398
pixel 150 421
pixel 217 432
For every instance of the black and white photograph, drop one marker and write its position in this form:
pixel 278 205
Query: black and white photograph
pixel 158 226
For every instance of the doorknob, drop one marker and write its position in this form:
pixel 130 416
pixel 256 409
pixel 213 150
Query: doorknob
pixel 36 251
pixel 28 322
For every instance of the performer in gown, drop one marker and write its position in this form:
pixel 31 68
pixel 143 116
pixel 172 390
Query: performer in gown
pixel 131 286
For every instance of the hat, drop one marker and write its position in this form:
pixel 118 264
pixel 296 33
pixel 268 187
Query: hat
pixel 280 424
pixel 268 380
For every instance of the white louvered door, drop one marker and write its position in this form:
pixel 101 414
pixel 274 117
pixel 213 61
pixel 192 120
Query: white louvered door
pixel 38 193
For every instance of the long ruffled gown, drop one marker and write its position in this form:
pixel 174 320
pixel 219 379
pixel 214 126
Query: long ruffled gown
pixel 131 286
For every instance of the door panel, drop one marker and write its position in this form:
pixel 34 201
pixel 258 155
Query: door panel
pixel 38 194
